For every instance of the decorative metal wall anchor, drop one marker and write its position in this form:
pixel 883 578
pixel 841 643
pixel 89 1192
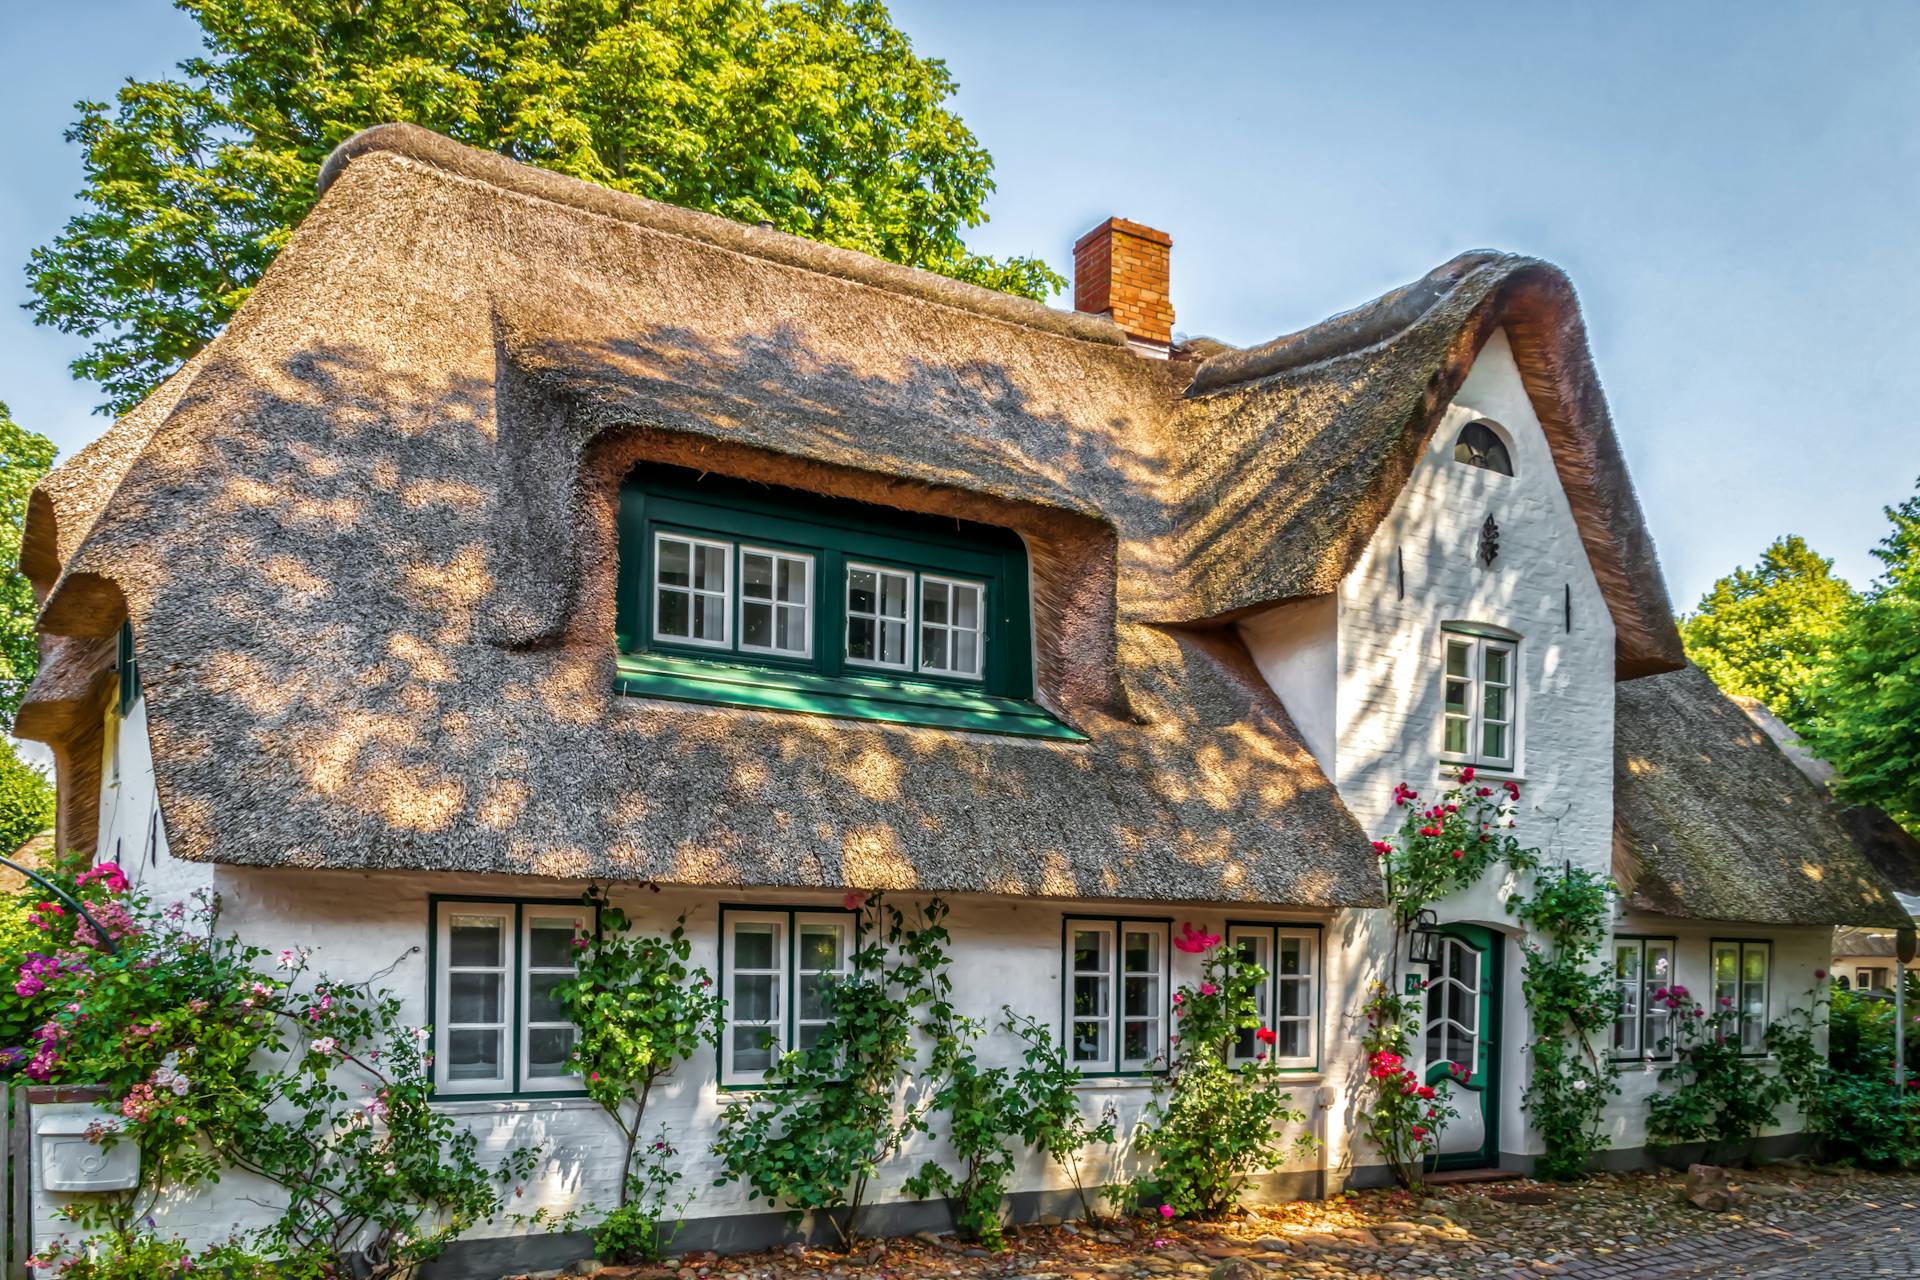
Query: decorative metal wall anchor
pixel 1489 541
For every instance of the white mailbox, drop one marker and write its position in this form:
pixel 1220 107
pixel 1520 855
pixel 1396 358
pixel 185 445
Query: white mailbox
pixel 71 1161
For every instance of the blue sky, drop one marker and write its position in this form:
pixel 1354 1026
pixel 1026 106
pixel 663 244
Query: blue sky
pixel 1733 188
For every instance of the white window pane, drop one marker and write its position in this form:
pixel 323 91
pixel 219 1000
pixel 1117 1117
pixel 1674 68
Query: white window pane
pixel 862 590
pixel 1140 1040
pixel 1456 742
pixel 473 1055
pixel 860 639
pixel 1142 953
pixel 793 630
pixel 1090 1042
pixel 752 1050
pixel 542 1004
pixel 893 643
pixel 1291 1040
pixel 794 574
pixel 753 946
pixel 1493 741
pixel 1293 956
pixel 1457 697
pixel 672 614
pixel 893 595
pixel 1458 655
pixel 1295 998
pixel 756 575
pixel 1494 704
pixel 934 602
pixel 550 941
pixel 966 606
pixel 476 942
pixel 933 648
pixel 674 558
pixel 710 619
pixel 1090 996
pixel 753 997
pixel 966 651
pixel 710 568
pixel 474 997
pixel 756 625
pixel 548 1049
pixel 1496 665
pixel 820 948
pixel 1142 997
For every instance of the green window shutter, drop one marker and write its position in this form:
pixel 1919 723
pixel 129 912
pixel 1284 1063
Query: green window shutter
pixel 129 669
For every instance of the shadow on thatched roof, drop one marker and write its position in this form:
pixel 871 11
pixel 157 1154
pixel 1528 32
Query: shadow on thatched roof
pixel 366 543
pixel 1712 821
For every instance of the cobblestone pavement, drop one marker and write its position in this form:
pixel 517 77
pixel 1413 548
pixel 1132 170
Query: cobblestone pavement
pixel 1786 1224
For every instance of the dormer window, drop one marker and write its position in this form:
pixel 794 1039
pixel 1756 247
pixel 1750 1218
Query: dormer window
pixel 1480 445
pixel 758 596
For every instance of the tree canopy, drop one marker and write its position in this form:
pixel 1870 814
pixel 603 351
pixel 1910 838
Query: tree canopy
pixel 1866 703
pixel 1765 632
pixel 813 115
pixel 24 458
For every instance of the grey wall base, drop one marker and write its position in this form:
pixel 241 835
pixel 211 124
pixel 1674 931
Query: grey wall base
pixel 749 1232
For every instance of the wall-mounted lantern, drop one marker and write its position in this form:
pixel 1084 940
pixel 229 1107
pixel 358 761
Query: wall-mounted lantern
pixel 1424 945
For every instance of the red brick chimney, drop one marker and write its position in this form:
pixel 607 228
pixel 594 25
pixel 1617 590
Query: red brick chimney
pixel 1120 270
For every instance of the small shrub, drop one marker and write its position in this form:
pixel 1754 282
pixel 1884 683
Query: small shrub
pixel 1048 1105
pixel 1716 1093
pixel 127 1255
pixel 1211 1124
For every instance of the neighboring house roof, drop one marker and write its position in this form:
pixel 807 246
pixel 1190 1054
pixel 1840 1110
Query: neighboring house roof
pixel 1713 822
pixel 1887 844
pixel 1871 943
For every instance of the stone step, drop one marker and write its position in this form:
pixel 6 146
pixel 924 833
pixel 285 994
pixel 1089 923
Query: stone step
pixel 1460 1177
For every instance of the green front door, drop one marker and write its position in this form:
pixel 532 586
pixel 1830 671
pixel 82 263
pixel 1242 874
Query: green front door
pixel 1463 1028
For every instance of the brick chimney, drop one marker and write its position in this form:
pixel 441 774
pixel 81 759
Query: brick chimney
pixel 1120 270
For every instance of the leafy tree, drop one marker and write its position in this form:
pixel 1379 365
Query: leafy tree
pixel 1765 632
pixel 813 115
pixel 1866 703
pixel 26 800
pixel 24 458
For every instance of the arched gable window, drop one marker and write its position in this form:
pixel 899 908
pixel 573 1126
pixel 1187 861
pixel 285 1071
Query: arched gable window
pixel 1479 445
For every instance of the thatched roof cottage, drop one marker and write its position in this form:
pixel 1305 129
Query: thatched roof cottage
pixel 518 534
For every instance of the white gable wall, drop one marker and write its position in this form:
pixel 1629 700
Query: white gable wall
pixel 133 832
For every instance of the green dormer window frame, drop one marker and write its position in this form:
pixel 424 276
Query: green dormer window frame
pixel 757 596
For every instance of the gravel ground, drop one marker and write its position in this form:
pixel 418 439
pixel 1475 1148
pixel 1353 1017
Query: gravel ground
pixel 1832 1224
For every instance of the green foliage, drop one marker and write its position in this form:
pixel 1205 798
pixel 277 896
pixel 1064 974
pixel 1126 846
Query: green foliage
pixel 1211 1124
pixel 1866 702
pixel 1850 1100
pixel 221 1063
pixel 140 1255
pixel 638 1231
pixel 815 1137
pixel 1766 632
pixel 1715 1092
pixel 982 1113
pixel 1050 1117
pixel 26 800
pixel 24 457
pixel 1448 845
pixel 1570 1002
pixel 639 1012
pixel 814 115
pixel 1400 1115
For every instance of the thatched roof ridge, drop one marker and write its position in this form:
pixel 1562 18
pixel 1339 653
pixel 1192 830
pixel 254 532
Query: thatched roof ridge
pixel 1713 822
pixel 1869 943
pixel 1301 446
pixel 369 564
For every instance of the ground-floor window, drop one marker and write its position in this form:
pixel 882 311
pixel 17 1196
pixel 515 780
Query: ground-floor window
pixel 1289 998
pixel 1741 969
pixel 1114 972
pixel 1871 980
pixel 777 965
pixel 495 965
pixel 1642 970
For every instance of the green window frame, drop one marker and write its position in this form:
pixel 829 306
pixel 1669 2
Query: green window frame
pixel 1290 998
pixel 773 975
pixel 1742 973
pixel 751 595
pixel 515 973
pixel 1642 1028
pixel 1116 998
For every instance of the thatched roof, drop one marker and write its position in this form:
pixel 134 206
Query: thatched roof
pixel 1712 821
pixel 366 544
pixel 1868 943
pixel 1889 846
pixel 1302 445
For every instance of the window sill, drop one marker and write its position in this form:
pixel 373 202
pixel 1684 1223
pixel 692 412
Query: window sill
pixel 652 675
pixel 498 1103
